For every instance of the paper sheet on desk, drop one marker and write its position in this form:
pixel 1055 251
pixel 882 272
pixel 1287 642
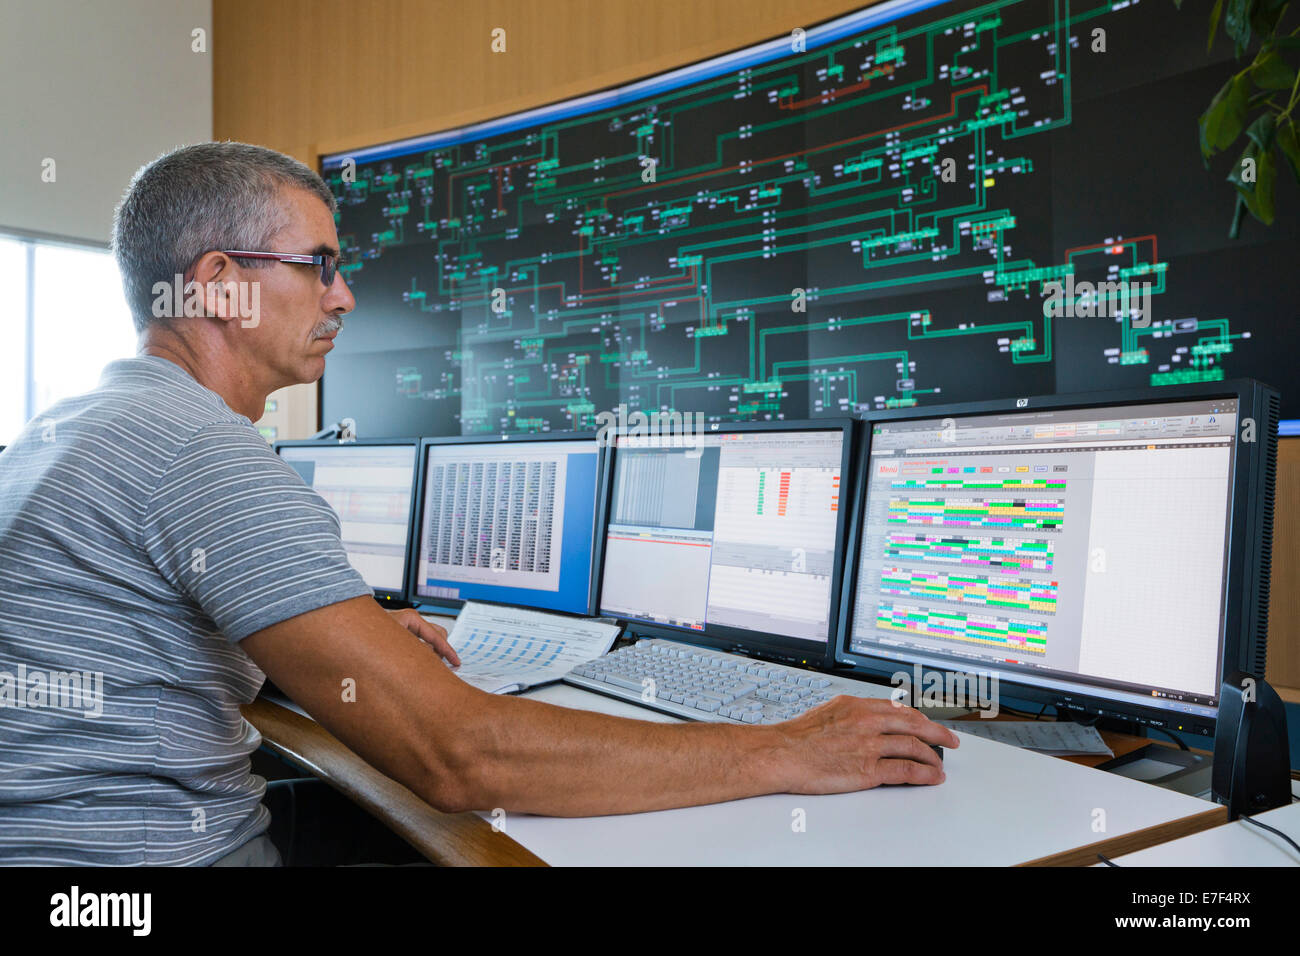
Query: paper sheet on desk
pixel 505 649
pixel 1055 738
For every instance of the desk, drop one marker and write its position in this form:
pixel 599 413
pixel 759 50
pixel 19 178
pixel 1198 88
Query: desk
pixel 999 806
pixel 1236 844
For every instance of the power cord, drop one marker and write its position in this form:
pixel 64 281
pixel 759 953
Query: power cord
pixel 1024 713
pixel 1172 736
pixel 1264 826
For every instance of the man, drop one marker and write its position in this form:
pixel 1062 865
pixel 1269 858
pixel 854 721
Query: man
pixel 148 535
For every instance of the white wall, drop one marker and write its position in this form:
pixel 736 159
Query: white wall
pixel 101 87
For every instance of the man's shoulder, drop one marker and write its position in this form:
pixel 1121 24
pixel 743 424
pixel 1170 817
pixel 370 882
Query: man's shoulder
pixel 145 413
pixel 163 392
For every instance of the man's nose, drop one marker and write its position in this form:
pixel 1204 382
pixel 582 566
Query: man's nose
pixel 339 297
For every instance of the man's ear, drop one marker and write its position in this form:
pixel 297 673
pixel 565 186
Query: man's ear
pixel 213 288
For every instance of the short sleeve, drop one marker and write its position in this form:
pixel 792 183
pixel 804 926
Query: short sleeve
pixel 238 531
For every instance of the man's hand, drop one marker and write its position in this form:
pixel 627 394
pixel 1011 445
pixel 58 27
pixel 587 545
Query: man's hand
pixel 427 631
pixel 855 743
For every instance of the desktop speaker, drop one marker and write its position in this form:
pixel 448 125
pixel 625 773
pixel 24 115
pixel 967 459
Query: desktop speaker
pixel 1251 751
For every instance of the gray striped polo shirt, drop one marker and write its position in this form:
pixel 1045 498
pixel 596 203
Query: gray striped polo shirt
pixel 145 529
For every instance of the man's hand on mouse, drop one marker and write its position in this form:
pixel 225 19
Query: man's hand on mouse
pixel 854 743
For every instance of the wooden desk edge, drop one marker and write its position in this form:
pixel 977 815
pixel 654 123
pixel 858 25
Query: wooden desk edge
pixel 1137 840
pixel 447 839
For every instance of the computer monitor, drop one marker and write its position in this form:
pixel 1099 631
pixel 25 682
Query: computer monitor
pixel 370 485
pixel 731 537
pixel 1104 553
pixel 507 519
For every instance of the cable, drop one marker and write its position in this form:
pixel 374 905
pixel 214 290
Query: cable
pixel 1015 710
pixel 1108 862
pixel 1265 826
pixel 1172 736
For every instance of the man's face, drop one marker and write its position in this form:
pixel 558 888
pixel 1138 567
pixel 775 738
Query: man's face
pixel 299 316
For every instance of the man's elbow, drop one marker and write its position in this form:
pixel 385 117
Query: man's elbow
pixel 455 778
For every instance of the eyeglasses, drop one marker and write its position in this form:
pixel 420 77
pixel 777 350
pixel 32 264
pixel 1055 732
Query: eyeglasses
pixel 328 263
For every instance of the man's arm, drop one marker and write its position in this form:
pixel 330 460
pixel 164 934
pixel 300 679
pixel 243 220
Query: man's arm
pixel 462 749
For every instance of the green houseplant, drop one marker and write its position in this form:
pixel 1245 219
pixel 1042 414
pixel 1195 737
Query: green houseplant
pixel 1260 101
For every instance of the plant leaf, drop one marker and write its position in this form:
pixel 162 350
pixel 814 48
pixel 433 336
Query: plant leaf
pixel 1288 141
pixel 1265 16
pixel 1236 22
pixel 1271 72
pixel 1263 210
pixel 1245 186
pixel 1258 195
pixel 1222 122
pixel 1261 132
pixel 1214 22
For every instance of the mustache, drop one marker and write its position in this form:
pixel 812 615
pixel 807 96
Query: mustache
pixel 331 325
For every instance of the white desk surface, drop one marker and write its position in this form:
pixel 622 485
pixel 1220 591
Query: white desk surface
pixel 1000 805
pixel 1233 844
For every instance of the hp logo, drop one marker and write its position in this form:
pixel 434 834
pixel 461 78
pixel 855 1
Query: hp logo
pixel 1022 402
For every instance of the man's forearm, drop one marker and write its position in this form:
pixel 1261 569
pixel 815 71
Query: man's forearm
pixel 461 749
pixel 533 757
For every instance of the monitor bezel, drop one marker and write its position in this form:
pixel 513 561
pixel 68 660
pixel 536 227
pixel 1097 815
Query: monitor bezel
pixel 485 438
pixel 1243 525
pixel 387 594
pixel 731 639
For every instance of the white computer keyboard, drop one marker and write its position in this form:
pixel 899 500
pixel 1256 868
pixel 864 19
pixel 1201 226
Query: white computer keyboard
pixel 701 684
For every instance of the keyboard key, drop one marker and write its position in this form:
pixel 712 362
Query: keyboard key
pixel 619 680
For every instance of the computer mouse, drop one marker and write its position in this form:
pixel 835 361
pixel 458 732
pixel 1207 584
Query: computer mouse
pixel 937 749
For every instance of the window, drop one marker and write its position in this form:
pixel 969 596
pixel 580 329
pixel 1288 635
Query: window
pixel 63 317
pixel 13 338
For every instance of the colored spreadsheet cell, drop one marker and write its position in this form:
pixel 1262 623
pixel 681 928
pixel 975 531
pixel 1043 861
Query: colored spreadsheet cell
pixel 1005 555
pixel 967 628
pixel 971 589
pixel 1019 514
pixel 960 484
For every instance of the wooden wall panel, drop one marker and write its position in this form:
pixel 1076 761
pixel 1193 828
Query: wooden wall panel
pixel 1284 594
pixel 302 75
